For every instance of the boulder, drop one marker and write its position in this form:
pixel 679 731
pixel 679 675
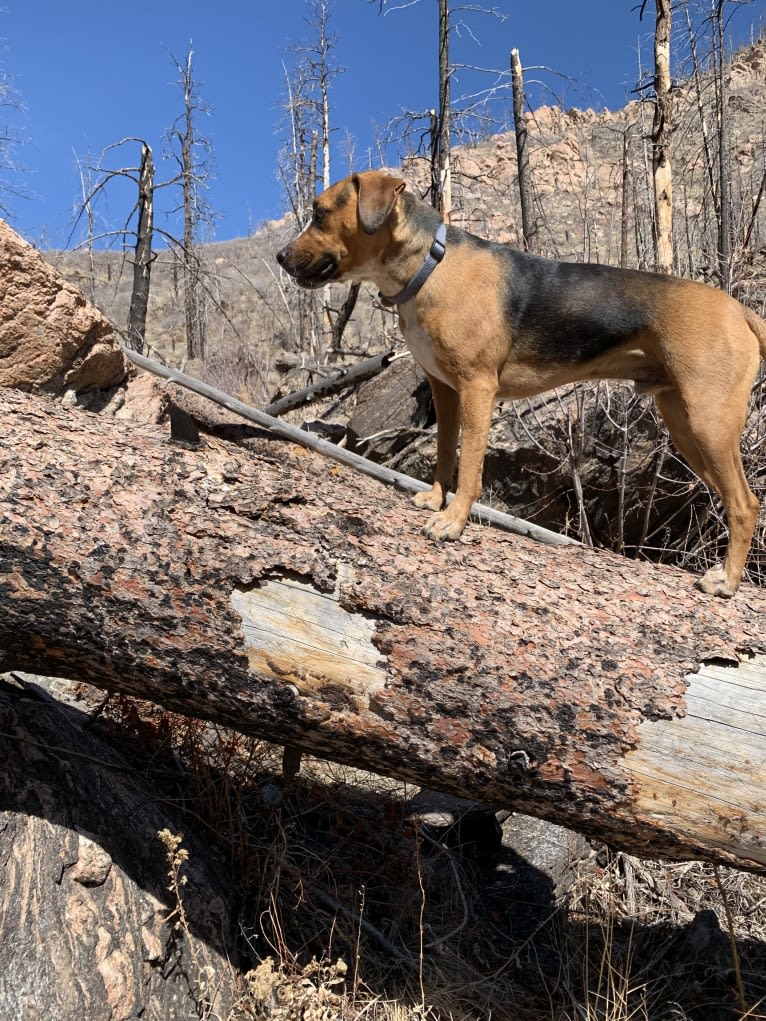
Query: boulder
pixel 51 337
pixel 111 907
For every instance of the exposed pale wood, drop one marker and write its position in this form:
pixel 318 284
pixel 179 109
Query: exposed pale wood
pixel 295 634
pixel 706 772
pixel 273 591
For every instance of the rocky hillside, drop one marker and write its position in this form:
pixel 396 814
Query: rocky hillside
pixel 592 188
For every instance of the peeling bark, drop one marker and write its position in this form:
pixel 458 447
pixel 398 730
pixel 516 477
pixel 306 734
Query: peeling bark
pixel 662 132
pixel 273 591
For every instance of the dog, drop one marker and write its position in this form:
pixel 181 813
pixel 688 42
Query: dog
pixel 489 322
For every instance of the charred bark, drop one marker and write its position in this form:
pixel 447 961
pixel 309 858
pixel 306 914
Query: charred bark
pixel 528 220
pixel 289 597
pixel 142 265
pixel 343 380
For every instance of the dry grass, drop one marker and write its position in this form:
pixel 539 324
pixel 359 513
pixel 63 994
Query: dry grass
pixel 351 909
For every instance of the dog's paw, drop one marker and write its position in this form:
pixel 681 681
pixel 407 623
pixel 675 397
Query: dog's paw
pixel 431 499
pixel 715 583
pixel 443 526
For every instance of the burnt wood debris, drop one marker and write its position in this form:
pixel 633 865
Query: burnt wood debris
pixel 260 585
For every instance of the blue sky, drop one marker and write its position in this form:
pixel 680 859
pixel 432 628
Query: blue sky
pixel 90 73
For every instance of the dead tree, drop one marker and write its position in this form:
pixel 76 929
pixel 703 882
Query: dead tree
pixel 452 114
pixel 11 174
pixel 662 131
pixel 267 591
pixel 309 82
pixel 138 227
pixel 325 74
pixel 528 221
pixel 192 153
pixel 725 247
pixel 86 185
pixel 444 121
pixel 625 198
pixel 143 257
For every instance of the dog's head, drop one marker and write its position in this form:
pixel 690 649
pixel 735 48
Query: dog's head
pixel 346 234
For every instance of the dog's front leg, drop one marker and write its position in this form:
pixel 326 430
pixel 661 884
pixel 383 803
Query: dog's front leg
pixel 477 401
pixel 447 405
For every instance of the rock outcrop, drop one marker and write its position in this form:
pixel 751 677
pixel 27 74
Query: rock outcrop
pixel 51 337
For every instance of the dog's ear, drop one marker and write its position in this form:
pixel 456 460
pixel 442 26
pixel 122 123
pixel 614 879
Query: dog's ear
pixel 376 195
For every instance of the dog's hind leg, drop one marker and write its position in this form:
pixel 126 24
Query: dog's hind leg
pixel 710 444
pixel 447 404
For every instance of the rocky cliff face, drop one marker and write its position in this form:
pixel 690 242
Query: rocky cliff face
pixel 51 338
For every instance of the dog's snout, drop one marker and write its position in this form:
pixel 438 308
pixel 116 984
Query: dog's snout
pixel 293 260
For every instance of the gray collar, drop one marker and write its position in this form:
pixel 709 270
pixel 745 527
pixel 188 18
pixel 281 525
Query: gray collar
pixel 431 261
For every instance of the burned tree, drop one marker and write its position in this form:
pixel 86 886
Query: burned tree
pixel 140 232
pixel 191 152
pixel 309 78
pixel 662 130
pixel 138 226
pixel 142 262
pixel 528 222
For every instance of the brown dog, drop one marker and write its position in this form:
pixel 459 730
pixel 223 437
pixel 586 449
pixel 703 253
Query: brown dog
pixel 486 322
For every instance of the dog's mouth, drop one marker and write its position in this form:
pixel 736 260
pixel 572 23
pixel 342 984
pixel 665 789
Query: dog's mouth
pixel 320 274
pixel 307 273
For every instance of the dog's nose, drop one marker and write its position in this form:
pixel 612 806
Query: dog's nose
pixel 281 255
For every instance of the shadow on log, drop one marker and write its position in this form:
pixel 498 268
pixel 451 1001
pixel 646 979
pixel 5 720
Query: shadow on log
pixel 289 597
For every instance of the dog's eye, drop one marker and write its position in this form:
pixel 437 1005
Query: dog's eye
pixel 319 215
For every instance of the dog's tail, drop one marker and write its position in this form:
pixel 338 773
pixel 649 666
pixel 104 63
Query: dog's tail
pixel 758 326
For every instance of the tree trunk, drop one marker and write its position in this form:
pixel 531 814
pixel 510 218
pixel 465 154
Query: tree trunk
pixel 344 315
pixel 343 380
pixel 435 189
pixel 724 167
pixel 142 265
pixel 662 130
pixel 625 200
pixel 528 222
pixel 281 594
pixel 324 88
pixel 445 116
pixel 193 294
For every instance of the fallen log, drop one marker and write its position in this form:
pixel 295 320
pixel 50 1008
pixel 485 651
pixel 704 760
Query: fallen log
pixel 287 596
pixel 343 380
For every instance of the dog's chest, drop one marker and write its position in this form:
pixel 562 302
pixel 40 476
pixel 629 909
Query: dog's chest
pixel 419 342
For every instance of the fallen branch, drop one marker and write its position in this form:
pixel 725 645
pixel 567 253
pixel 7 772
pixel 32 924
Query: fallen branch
pixel 349 377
